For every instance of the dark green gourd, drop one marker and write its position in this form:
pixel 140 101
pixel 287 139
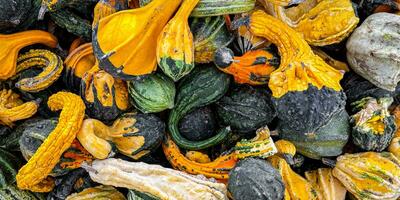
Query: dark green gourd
pixel 198 125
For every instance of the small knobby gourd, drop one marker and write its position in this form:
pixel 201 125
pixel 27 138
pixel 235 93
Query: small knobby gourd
pixel 175 47
pixel 131 51
pixel 32 176
pixel 99 192
pixel 327 186
pixel 369 175
pixel 260 146
pixel 206 8
pixel 12 43
pixel 105 8
pixel 52 67
pixel 253 67
pixel 73 23
pixel 394 146
pixel 218 168
pixel 13 109
pixel 163 183
pixel 286 150
pixel 321 22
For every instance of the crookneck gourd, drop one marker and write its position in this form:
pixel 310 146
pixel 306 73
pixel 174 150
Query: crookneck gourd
pixel 321 22
pixel 32 176
pixel 131 50
pixel 134 135
pixel 369 175
pixel 372 125
pixel 203 86
pixel 105 8
pixel 394 146
pixel 175 48
pixel 12 43
pixel 98 192
pixel 163 183
pixel 327 186
pixel 12 108
pixel 306 91
pixel 253 67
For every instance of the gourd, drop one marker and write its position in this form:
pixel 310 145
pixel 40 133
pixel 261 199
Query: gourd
pixel 13 109
pixel 286 150
pixel 197 156
pixel 152 93
pixel 247 41
pixel 146 178
pixel 56 5
pixel 134 135
pixel 105 96
pixel 135 195
pixel 378 65
pixel 14 14
pixel 73 23
pixel 32 176
pixel 206 8
pixel 328 187
pixel 321 22
pixel 372 125
pixel 12 43
pixel 261 146
pixel 255 179
pixel 12 192
pixel 200 88
pixel 105 8
pixel 245 109
pixel 137 36
pixel 52 67
pixel 74 181
pixel 209 34
pixel 303 84
pixel 369 175
pixel 394 146
pixel 199 124
pixel 339 65
pixel 9 164
pixel 175 48
pixel 368 7
pixel 218 168
pixel 98 192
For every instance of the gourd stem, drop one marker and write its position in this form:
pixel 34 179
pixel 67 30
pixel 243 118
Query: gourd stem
pixel 329 162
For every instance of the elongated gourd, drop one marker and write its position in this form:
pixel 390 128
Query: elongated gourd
pixel 137 34
pixel 328 187
pixel 12 43
pixel 99 192
pixel 32 176
pixel 206 8
pixel 394 146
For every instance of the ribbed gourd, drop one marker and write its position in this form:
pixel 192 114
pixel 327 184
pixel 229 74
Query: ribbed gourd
pixel 99 192
pixel 207 8
pixel 394 146
pixel 261 146
pixel 328 187
pixel 152 93
pixel 138 30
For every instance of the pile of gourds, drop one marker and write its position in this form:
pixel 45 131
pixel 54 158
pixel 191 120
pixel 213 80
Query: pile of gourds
pixel 200 99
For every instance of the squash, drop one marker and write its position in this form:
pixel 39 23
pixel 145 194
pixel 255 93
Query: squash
pixel 9 138
pixel 286 150
pixel 73 23
pixel 135 195
pixel 378 65
pixel 246 40
pixel 12 192
pixel 14 14
pixel 245 109
pixel 138 28
pixel 339 65
pixel 255 179
pixel 134 135
pixel 12 43
pixel 369 175
pixel 105 8
pixel 98 192
pixel 368 7
pixel 75 44
pixel 209 33
pixel 197 156
pixel 74 181
pixel 200 88
pixel 372 125
pixel 105 97
pixel 261 146
pixel 56 5
pixel 207 8
pixel 32 176
pixel 9 165
pixel 146 178
pixel 328 187
pixel 394 146
pixel 199 124
pixel 52 67
pixel 152 93
pixel 175 48
pixel 321 22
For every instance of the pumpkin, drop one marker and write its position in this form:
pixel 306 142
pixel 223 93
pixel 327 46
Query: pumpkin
pixel 206 8
pixel 255 179
pixel 175 48
pixel 245 109
pixel 152 93
pixel 328 187
pixel 378 65
pixel 73 23
pixel 260 146
pixel 253 68
pixel 9 164
pixel 200 88
pixel 209 34
pixel 369 175
pixel 146 178
pixel 12 43
pixel 372 125
pixel 98 192
pixel 394 146
pixel 105 8
pixel 321 23
pixel 199 124
pixel 138 28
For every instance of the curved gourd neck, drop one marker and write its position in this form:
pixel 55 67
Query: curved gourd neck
pixel 26 38
pixel 186 8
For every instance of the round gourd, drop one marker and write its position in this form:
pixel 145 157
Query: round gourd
pixel 255 179
pixel 198 125
pixel 152 93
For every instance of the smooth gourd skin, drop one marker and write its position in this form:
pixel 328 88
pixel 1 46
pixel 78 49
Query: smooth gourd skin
pixel 207 8
pixel 255 179
pixel 98 192
pixel 261 146
pixel 327 186
pixel 138 32
pixel 105 8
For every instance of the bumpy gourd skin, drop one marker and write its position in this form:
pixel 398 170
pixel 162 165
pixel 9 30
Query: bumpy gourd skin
pixel 52 64
pixel 261 146
pixel 394 146
pixel 32 176
pixel 13 109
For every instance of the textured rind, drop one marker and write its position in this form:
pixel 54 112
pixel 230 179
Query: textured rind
pixel 164 183
pixel 206 8
pixel 373 50
pixel 67 184
pixel 328 187
pixel 199 124
pixel 255 179
pixel 9 165
pixel 12 192
pixel 14 13
pixel 32 176
pixel 73 23
pixel 261 146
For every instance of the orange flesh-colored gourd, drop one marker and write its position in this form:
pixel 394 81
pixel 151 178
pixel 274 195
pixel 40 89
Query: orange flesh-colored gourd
pixel 394 146
pixel 299 67
pixel 328 187
pixel 11 44
pixel 75 44
pixel 80 60
pixel 132 49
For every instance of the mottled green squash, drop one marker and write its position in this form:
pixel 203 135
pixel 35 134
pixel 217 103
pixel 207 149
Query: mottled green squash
pixel 72 23
pixel 9 164
pixel 206 8
pixel 199 124
pixel 11 192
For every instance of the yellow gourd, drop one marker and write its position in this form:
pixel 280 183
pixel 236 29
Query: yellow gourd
pixel 328 187
pixel 394 146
